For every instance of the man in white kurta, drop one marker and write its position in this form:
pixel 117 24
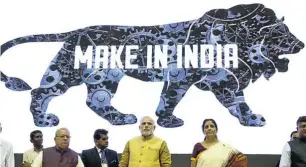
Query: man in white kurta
pixel 6 153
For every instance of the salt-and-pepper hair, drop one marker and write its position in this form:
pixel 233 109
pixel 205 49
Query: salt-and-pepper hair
pixel 57 131
pixel 141 120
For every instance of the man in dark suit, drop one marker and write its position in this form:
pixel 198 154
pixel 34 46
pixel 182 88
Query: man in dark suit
pixel 100 156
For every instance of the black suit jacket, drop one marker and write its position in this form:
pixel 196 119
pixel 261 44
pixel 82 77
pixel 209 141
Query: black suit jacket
pixel 91 158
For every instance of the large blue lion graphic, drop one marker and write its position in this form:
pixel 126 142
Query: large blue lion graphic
pixel 260 36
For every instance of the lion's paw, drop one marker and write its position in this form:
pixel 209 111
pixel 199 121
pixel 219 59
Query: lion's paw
pixel 123 119
pixel 255 120
pixel 46 120
pixel 170 122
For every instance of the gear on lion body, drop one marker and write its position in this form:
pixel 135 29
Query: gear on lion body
pixel 260 36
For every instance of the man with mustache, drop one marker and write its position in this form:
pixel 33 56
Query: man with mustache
pixel 100 155
pixel 146 150
pixel 59 155
pixel 294 152
pixel 36 138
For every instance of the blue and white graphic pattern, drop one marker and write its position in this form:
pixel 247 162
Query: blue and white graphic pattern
pixel 260 36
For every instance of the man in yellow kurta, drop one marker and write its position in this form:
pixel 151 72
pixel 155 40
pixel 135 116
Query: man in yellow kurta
pixel 146 150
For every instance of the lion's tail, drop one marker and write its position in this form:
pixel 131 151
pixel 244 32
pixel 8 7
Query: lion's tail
pixel 17 84
pixel 35 38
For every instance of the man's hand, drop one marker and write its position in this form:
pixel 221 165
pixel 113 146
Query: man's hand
pixel 25 164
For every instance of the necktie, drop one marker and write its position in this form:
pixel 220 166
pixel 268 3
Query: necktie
pixel 103 157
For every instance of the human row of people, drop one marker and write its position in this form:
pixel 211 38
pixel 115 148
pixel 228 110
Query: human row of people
pixel 146 150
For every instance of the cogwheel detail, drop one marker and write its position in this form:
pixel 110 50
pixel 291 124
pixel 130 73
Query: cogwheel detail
pixel 92 76
pixel 236 33
pixel 99 98
pixel 65 64
pixel 258 54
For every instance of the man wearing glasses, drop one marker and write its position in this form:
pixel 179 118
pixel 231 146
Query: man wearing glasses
pixel 59 155
pixel 294 152
pixel 100 155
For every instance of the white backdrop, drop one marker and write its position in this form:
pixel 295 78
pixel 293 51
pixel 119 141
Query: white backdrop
pixel 281 100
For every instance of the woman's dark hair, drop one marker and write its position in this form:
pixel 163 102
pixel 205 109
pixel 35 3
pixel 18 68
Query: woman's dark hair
pixel 213 121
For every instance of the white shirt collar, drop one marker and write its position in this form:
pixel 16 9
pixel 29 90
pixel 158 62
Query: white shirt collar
pixel 99 149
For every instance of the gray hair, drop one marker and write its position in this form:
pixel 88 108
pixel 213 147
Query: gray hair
pixel 57 131
pixel 141 120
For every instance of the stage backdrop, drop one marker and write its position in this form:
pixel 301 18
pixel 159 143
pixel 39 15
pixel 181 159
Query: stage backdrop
pixel 279 99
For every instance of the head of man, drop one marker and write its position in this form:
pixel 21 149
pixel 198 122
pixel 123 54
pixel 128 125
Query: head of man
pixel 301 126
pixel 147 126
pixel 101 138
pixel 62 138
pixel 36 137
pixel 294 135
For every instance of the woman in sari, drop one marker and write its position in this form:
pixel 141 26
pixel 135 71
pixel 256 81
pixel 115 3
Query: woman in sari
pixel 213 153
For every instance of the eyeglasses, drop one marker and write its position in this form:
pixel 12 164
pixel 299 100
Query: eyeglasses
pixel 63 136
